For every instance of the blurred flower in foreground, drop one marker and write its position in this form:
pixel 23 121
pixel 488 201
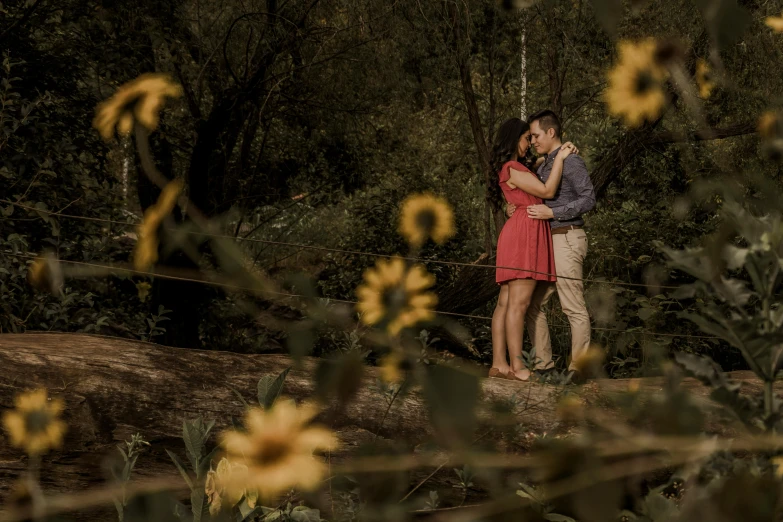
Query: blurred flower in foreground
pixel 218 486
pixel 45 274
pixel 636 83
pixel 143 288
pixel 590 362
pixel 704 78
pixel 775 22
pixel 35 424
pixel 146 252
pixel 277 449
pixel 570 408
pixel 426 216
pixel 138 100
pixel 393 367
pixel 770 127
pixel 395 295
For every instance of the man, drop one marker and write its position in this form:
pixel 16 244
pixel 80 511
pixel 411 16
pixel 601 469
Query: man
pixel 575 196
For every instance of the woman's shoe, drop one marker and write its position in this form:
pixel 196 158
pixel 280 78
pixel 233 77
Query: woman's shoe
pixel 513 377
pixel 494 372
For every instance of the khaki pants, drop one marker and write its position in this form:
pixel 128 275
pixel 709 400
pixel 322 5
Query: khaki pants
pixel 570 251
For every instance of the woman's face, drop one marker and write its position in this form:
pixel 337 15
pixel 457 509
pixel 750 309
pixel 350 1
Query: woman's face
pixel 524 144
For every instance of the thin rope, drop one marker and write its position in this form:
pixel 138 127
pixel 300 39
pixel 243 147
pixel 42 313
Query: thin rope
pixel 237 287
pixel 350 252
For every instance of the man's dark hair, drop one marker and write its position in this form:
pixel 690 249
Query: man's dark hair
pixel 547 119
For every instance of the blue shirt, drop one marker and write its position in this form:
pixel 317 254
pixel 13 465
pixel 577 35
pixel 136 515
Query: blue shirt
pixel 574 196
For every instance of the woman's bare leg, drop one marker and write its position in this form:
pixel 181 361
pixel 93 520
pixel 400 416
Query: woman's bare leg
pixel 499 359
pixel 520 292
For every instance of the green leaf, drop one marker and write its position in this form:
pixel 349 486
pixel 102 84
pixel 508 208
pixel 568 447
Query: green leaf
pixel 239 396
pixel 659 507
pixel 181 468
pixel 248 513
pixel 702 368
pixel 684 292
pixel 554 517
pixel 646 313
pixel 734 257
pixel 120 509
pixel 194 443
pixel 305 514
pixel 197 504
pixel 269 388
pixel 733 291
pixel 203 466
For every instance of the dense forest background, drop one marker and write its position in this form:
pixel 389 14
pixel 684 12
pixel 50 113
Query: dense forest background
pixel 309 121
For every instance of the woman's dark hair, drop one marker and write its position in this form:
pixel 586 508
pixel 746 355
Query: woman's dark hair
pixel 503 150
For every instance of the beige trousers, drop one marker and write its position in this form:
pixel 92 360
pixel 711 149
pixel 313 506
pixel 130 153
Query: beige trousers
pixel 570 251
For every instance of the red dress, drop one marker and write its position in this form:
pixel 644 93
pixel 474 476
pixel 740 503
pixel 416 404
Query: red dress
pixel 524 243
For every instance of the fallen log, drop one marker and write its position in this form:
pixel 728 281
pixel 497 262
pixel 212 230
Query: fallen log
pixel 114 388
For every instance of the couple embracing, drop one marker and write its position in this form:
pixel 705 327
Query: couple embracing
pixel 542 246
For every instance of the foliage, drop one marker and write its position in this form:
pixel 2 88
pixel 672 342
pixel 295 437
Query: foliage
pixel 314 120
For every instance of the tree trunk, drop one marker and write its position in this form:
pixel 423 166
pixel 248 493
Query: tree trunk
pixel 474 117
pixel 114 388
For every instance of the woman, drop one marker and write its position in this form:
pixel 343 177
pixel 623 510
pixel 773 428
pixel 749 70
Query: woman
pixel 524 244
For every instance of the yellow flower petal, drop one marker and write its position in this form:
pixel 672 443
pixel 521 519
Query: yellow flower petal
pixel 275 453
pixel 775 22
pixel 392 291
pixel 418 279
pixel 141 99
pixel 35 425
pixel 636 84
pixel 704 78
pixel 426 216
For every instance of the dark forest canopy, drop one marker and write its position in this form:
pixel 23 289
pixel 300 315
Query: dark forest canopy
pixel 309 121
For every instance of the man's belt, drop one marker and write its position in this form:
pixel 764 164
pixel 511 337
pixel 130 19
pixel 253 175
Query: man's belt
pixel 563 230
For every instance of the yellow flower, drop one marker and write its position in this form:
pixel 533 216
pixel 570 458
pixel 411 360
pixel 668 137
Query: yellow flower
pixel 590 362
pixel 138 100
pixel 769 125
pixel 392 367
pixel 770 128
pixel 704 78
pixel 35 424
pixel 219 486
pixel 777 464
pixel 146 252
pixel 394 295
pixel 278 449
pixel 775 22
pixel 426 216
pixel 636 83
pixel 45 274
pixel 570 408
pixel 144 290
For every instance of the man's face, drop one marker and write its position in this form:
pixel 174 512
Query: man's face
pixel 541 141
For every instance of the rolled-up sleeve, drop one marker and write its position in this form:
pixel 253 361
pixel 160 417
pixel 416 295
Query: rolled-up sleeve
pixel 575 174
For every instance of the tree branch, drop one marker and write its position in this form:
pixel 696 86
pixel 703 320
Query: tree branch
pixel 719 133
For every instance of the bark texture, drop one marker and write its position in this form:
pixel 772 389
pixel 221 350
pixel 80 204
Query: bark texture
pixel 114 388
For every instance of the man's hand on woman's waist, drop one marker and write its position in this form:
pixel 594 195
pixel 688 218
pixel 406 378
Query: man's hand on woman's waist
pixel 533 211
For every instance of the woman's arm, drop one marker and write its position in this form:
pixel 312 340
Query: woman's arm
pixel 533 185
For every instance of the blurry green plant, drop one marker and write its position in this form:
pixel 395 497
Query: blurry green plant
pixel 122 475
pixel 195 434
pixel 738 275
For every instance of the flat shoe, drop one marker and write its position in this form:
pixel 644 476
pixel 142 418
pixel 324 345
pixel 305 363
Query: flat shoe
pixel 511 376
pixel 494 372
